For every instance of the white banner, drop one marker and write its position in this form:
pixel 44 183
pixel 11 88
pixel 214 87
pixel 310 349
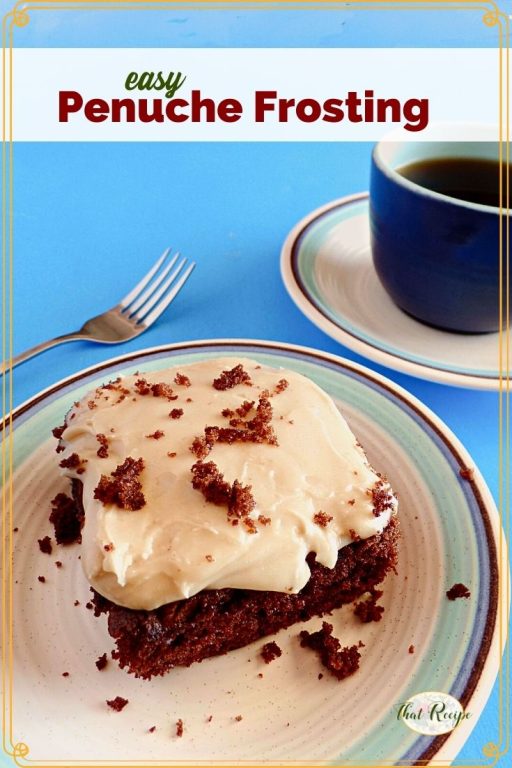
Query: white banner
pixel 297 94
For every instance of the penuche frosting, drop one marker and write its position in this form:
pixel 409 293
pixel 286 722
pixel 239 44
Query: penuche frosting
pixel 179 543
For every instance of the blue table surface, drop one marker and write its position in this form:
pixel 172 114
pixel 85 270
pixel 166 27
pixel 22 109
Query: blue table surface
pixel 89 219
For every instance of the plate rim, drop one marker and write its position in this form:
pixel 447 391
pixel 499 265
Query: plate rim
pixel 483 676
pixel 308 307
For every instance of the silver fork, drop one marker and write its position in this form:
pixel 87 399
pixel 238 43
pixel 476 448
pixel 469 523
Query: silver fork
pixel 133 315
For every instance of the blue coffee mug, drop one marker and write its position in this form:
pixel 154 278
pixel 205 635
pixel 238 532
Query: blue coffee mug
pixel 438 257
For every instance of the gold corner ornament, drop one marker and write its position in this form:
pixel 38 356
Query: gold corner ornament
pixel 20 17
pixel 491 18
pixel 20 750
pixel 491 750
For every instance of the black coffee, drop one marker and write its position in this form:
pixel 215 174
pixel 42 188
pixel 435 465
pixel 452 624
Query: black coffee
pixel 463 178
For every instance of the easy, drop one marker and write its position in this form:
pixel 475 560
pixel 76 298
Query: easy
pixel 148 81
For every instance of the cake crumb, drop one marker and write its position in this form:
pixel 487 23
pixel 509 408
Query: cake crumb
pixel 58 563
pixel 242 503
pixel 67 520
pixel 57 432
pixel 181 380
pixel 179 728
pixel 123 487
pixel 156 435
pixel 41 579
pixel 341 662
pixel 209 718
pixel 89 606
pixel 382 498
pixel 108 547
pixel 207 479
pixel 102 451
pixel 322 519
pixel 260 674
pixel 77 602
pixel 171 454
pixel 238 718
pixel 74 462
pixel 230 379
pixel 45 545
pixel 411 649
pixel 244 409
pixel 152 729
pixel 257 430
pixel 117 704
pixel 467 473
pixel 210 558
pixel 200 448
pixel 176 413
pixel 368 610
pixel 15 530
pixel 157 390
pixel 238 498
pixel 65 674
pixel 320 675
pixel 163 390
pixel 101 662
pixel 270 651
pixel 457 591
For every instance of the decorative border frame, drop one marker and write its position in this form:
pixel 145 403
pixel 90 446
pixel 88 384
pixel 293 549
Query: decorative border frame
pixel 18 17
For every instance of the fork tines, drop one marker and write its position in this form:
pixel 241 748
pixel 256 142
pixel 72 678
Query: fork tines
pixel 146 302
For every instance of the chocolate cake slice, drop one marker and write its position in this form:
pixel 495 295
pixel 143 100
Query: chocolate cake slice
pixel 218 503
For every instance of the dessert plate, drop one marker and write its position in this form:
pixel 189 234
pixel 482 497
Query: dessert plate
pixel 235 708
pixel 327 268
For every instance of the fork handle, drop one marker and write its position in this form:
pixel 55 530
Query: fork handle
pixel 6 365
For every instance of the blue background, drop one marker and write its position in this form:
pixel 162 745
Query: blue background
pixel 89 219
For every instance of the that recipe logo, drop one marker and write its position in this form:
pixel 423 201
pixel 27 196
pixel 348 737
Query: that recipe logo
pixel 432 713
pixel 349 106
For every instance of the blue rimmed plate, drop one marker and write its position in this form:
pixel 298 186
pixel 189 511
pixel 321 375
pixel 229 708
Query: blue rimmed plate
pixel 451 533
pixel 327 268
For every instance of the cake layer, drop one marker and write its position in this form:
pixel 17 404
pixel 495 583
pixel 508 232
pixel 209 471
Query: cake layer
pixel 217 621
pixel 222 474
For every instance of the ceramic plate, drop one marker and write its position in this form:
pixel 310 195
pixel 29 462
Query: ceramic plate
pixel 327 267
pixel 450 528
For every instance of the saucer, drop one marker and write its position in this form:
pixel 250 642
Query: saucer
pixel 327 268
